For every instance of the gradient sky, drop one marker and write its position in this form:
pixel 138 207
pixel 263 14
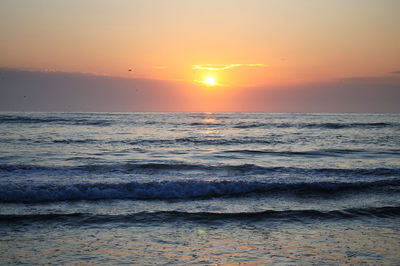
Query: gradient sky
pixel 328 56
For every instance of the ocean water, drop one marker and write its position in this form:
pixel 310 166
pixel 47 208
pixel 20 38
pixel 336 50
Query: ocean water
pixel 199 188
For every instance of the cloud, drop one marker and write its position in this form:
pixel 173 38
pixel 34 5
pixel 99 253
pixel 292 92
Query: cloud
pixel 395 72
pixel 377 81
pixel 22 90
pixel 354 94
pixel 214 67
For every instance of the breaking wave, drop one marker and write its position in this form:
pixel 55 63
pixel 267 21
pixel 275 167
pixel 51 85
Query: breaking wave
pixel 181 190
pixel 244 125
pixel 203 217
pixel 242 169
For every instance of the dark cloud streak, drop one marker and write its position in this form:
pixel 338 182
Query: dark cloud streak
pixel 361 94
pixel 59 91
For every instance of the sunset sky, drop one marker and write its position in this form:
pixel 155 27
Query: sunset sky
pixel 317 56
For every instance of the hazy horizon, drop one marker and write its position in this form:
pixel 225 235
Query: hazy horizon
pixel 23 90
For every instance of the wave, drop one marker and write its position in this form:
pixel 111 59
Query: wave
pixel 347 125
pixel 182 190
pixel 146 142
pixel 205 123
pixel 203 141
pixel 204 217
pixel 77 141
pixel 242 169
pixel 246 125
pixel 318 153
pixel 54 120
pixel 96 119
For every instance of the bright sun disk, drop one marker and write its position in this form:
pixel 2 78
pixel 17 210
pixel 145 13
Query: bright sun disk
pixel 209 81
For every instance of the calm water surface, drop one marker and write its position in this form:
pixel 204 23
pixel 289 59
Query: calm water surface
pixel 201 188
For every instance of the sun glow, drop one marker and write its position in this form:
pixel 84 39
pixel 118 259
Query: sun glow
pixel 210 81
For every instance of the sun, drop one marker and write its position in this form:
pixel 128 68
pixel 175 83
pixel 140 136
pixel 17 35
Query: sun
pixel 210 81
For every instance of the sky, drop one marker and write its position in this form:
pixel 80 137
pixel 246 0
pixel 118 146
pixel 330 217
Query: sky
pixel 187 55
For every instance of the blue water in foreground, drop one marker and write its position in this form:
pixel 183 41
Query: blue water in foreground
pixel 199 188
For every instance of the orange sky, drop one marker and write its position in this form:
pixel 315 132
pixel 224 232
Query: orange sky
pixel 241 44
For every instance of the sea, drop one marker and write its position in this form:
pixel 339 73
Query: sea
pixel 199 188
